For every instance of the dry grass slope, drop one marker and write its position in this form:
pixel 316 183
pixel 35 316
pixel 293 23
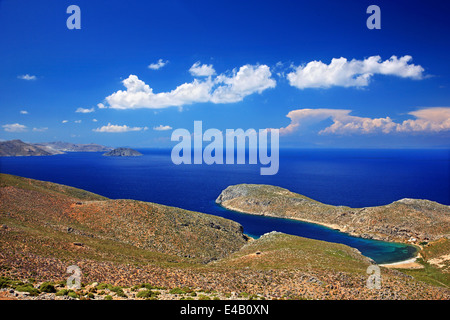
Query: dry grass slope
pixel 46 227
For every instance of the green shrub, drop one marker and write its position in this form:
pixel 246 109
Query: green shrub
pixel 62 292
pixel 118 291
pixel 103 286
pixel 90 295
pixel 73 294
pixel 47 287
pixel 108 297
pixel 147 286
pixel 28 288
pixel 177 291
pixel 203 297
pixel 147 294
pixel 5 282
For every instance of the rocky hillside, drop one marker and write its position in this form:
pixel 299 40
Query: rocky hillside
pixel 404 220
pixel 130 249
pixel 195 236
pixel 123 152
pixel 16 148
pixel 73 147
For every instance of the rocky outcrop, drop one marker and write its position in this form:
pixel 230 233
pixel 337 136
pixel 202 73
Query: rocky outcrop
pixel 406 220
pixel 123 152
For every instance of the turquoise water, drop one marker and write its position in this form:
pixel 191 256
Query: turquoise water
pixel 354 178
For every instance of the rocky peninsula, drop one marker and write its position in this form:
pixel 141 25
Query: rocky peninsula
pixel 405 220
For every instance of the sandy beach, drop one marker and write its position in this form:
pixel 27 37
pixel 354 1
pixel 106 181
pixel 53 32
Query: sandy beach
pixel 405 264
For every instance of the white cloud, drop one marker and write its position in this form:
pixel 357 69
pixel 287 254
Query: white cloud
pixel 94 120
pixel 162 128
pixel 222 89
pixel 140 95
pixel 248 80
pixel 157 65
pixel 23 112
pixel 354 73
pixel 64 121
pixel 203 70
pixel 40 129
pixel 117 129
pixel 85 110
pixel 302 116
pixel 77 121
pixel 26 77
pixel 101 106
pixel 14 127
pixel 427 120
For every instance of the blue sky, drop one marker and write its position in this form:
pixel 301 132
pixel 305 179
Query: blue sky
pixel 310 68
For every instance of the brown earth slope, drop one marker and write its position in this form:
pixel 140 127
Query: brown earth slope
pixel 46 227
pixel 141 224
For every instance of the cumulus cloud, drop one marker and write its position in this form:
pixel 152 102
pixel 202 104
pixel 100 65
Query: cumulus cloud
pixel 26 77
pixel 248 80
pixel 101 106
pixel 64 121
pixel 23 112
pixel 204 70
pixel 157 65
pixel 222 89
pixel 14 127
pixel 85 110
pixel 302 116
pixel 162 128
pixel 111 128
pixel 77 121
pixel 427 120
pixel 353 73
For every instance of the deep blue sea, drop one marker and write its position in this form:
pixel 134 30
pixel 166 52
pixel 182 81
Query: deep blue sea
pixel 355 178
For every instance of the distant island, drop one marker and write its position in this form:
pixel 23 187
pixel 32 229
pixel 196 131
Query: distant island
pixel 123 152
pixel 74 147
pixel 18 148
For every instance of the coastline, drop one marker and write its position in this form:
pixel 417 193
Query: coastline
pixel 405 264
pixel 397 264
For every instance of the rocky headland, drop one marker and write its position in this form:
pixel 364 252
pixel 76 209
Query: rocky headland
pixel 405 220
